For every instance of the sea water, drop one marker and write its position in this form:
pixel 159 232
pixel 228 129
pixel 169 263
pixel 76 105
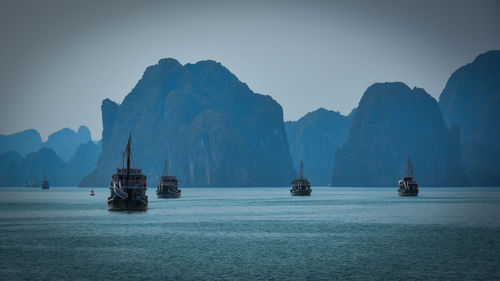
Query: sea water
pixel 252 233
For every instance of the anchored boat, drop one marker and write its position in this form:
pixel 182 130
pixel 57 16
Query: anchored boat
pixel 45 184
pixel 168 186
pixel 301 186
pixel 408 186
pixel 128 185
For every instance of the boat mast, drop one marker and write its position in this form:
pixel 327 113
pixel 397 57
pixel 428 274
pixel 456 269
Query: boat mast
pixel 128 156
pixel 408 171
pixel 301 173
pixel 165 170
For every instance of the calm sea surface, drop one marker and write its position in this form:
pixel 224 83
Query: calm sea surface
pixel 252 233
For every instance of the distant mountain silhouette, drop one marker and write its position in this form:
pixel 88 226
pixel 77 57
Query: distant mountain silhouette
pixel 314 138
pixel 392 123
pixel 471 99
pixel 16 170
pixel 23 142
pixel 75 156
pixel 66 141
pixel 84 160
pixel 36 166
pixel 7 160
pixel 212 129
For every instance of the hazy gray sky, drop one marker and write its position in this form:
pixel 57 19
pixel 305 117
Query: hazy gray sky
pixel 60 59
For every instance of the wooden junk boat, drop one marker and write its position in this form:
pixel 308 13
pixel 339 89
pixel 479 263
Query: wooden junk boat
pixel 168 186
pixel 301 186
pixel 408 186
pixel 128 186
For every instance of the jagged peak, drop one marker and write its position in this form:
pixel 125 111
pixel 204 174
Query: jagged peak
pixel 107 102
pixel 163 65
pixel 395 92
pixel 168 62
pixel 421 91
pixel 83 130
pixel 63 131
pixel 173 63
pixel 210 68
pixel 206 63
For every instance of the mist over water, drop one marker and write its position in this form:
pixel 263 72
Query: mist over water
pixel 252 233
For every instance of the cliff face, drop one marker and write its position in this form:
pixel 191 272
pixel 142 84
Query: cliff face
pixel 392 123
pixel 212 129
pixel 314 138
pixel 471 99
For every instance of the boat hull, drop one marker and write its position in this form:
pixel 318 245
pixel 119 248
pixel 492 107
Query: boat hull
pixel 408 187
pixel 118 204
pixel 45 184
pixel 169 194
pixel 300 192
pixel 407 193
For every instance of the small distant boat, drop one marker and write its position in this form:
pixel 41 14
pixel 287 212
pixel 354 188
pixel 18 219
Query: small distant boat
pixel 92 192
pixel 128 186
pixel 168 186
pixel 45 183
pixel 408 186
pixel 32 184
pixel 301 186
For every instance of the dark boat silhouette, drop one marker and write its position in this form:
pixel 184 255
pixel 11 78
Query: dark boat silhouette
pixel 301 186
pixel 92 192
pixel 128 186
pixel 168 186
pixel 408 186
pixel 45 184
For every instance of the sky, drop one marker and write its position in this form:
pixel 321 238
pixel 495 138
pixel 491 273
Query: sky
pixel 60 59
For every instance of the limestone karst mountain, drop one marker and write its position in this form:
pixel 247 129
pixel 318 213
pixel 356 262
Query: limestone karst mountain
pixel 314 138
pixel 212 129
pixel 471 100
pixel 394 123
pixel 65 142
